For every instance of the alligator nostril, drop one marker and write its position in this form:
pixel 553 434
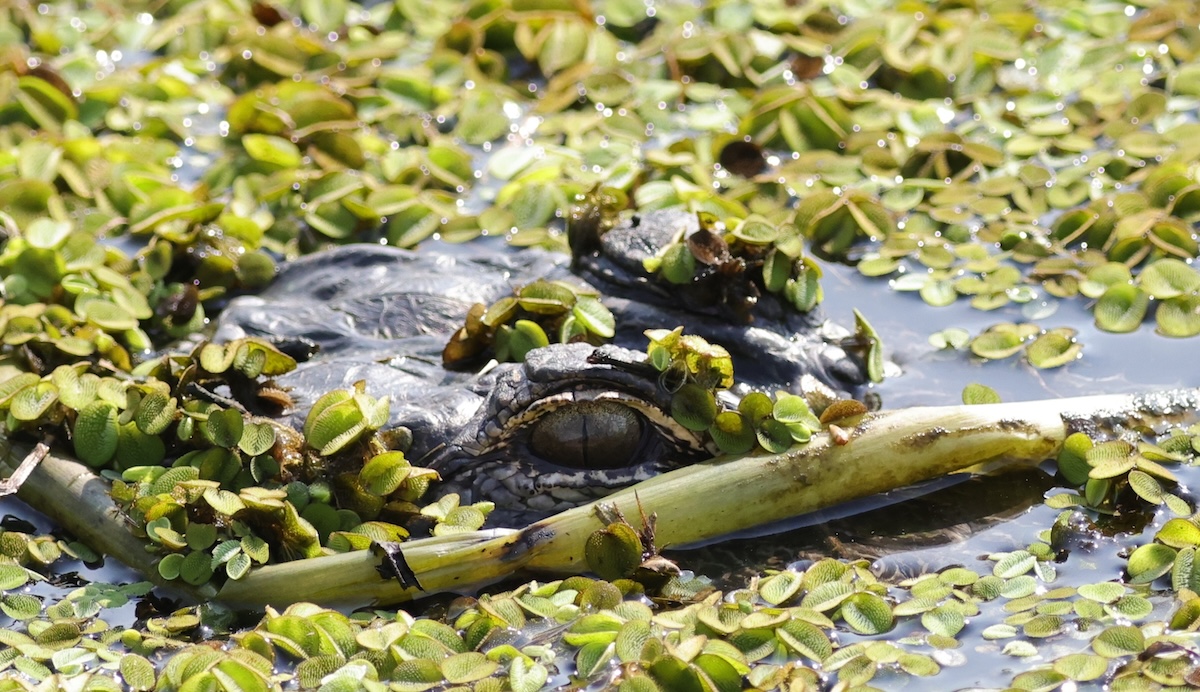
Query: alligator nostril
pixel 589 435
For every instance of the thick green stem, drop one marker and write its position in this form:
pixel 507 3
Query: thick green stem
pixel 701 502
pixel 884 451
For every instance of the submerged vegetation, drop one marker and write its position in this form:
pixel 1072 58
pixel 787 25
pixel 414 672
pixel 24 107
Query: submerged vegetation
pixel 158 159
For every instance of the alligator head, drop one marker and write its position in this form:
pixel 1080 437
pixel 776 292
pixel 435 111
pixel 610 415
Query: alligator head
pixel 572 422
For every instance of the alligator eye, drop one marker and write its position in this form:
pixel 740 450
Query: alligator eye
pixel 589 435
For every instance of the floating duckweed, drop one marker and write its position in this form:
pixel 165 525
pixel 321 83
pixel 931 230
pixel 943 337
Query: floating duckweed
pixel 732 433
pixel 96 433
pixel 1149 562
pixel 976 393
pixel 1179 316
pixel 944 621
pixel 1121 309
pixel 517 324
pixel 1119 640
pixel 1053 349
pixel 614 552
pixel 998 342
pixel 694 407
pixel 867 614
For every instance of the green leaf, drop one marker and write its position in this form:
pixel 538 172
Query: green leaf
pixel 867 614
pixel 1053 349
pixel 96 433
pixel 257 438
pixel 678 264
pixel 467 667
pixel 1168 278
pixel 336 426
pixel 1149 562
pixel 12 577
pixel 1179 316
pixel 1103 592
pixel 1178 533
pixel 523 337
pixel 273 150
pixel 546 298
pixel 1121 309
pixel 1118 641
pixel 20 606
pixel 975 393
pixel 526 676
pixel 1081 667
pixel 614 552
pixel 805 639
pixel 136 672
pixel 732 433
pixel 155 413
pixel 996 343
pixel 780 587
pixel 384 473
pixel 225 427
pixel 595 317
pixel 694 407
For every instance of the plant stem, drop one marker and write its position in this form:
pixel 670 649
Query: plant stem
pixel 78 500
pixel 886 450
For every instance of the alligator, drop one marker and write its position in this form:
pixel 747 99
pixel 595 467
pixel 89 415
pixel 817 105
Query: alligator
pixel 572 422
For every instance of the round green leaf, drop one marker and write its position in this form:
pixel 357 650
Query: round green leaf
pixel 694 407
pixel 136 672
pixel 1118 641
pixel 597 318
pixel 867 614
pixel 1121 309
pixel 976 393
pixel 1053 349
pixel 731 432
pixel 996 343
pixel 1179 316
pixel 225 427
pixel 1149 562
pixel 96 433
pixel 545 298
pixel 273 150
pixel 1081 667
pixel 1178 533
pixel 1168 278
pixel 614 552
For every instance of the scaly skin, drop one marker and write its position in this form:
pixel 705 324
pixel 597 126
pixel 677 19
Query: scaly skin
pixel 383 315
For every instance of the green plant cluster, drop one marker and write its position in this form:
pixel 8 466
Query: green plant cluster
pixel 1041 348
pixel 799 627
pixel 122 420
pixel 517 324
pixel 1113 477
pixel 217 489
pixel 735 266
pixel 1112 472
pixel 982 144
pixel 696 371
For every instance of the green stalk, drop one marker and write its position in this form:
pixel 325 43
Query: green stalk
pixel 885 450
